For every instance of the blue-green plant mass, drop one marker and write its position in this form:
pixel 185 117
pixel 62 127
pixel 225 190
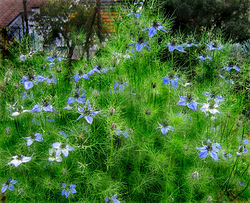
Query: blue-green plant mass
pixel 154 116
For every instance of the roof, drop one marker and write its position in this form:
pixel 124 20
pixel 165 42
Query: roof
pixel 10 9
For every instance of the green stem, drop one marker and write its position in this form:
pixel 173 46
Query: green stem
pixel 190 67
pixel 172 60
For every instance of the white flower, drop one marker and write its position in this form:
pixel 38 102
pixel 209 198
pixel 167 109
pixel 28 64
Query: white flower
pixel 36 137
pixel 209 108
pixel 62 148
pixel 17 160
pixel 53 157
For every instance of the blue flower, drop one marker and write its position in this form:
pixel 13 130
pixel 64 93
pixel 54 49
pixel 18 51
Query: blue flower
pixel 46 107
pixel 59 58
pixel 184 113
pixel 78 97
pixel 119 87
pixel 137 15
pixel 226 155
pixel 189 102
pixel 63 133
pixel 28 84
pixel 153 30
pixel 67 190
pixel 51 79
pixel 210 149
pixel 165 128
pixel 242 147
pixel 36 137
pixel 140 44
pixel 96 69
pixel 50 59
pixel 227 81
pixel 229 67
pixel 171 79
pixel 8 185
pixel 172 46
pixel 125 133
pixel 87 113
pixel 40 78
pixel 217 98
pixel 212 46
pixel 203 58
pixel 113 198
pixel 190 44
pixel 80 75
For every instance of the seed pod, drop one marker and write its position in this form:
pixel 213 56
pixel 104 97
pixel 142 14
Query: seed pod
pixel 111 111
pixel 59 69
pixel 154 85
pixel 113 126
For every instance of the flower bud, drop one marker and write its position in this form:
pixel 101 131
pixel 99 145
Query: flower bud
pixel 113 126
pixel 111 111
pixel 195 175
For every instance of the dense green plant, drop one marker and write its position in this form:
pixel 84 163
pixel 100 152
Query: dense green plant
pixel 153 117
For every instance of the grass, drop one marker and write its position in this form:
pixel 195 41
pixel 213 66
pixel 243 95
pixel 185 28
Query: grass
pixel 145 166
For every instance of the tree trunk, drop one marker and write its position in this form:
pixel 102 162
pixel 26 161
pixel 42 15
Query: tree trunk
pixel 25 17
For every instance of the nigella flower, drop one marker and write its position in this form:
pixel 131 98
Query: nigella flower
pixel 242 147
pixel 113 198
pixel 96 69
pixel 46 107
pixel 8 185
pixel 190 44
pixel 119 87
pixel 137 15
pixel 80 75
pixel 212 46
pixel 67 190
pixel 17 160
pixel 39 78
pixel 226 155
pixel 25 95
pixel 189 102
pixel 62 148
pixel 216 98
pixel 87 113
pixel 210 149
pixel 124 133
pixel 51 79
pixel 22 58
pixel 203 58
pixel 153 30
pixel 184 113
pixel 36 137
pixel 28 84
pixel 230 67
pixel 49 58
pixel 63 133
pixel 165 128
pixel 140 44
pixel 53 157
pixel 172 46
pixel 78 97
pixel 211 108
pixel 59 58
pixel 227 81
pixel 171 79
